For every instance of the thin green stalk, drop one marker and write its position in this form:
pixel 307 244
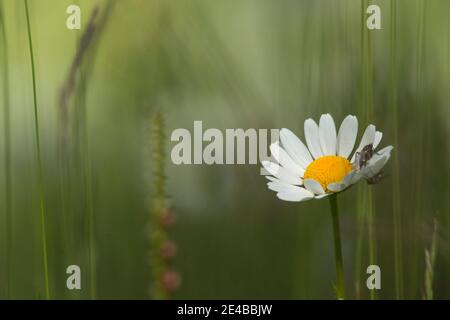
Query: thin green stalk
pixel 91 223
pixel 367 111
pixel 398 260
pixel 430 261
pixel 371 233
pixel 81 69
pixel 359 241
pixel 361 217
pixel 87 173
pixel 76 85
pixel 158 234
pixel 165 280
pixel 340 282
pixel 420 143
pixel 370 203
pixel 7 150
pixel 38 159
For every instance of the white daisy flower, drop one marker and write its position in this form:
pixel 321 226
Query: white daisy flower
pixel 326 166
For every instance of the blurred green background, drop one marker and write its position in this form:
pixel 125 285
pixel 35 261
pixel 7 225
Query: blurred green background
pixel 231 64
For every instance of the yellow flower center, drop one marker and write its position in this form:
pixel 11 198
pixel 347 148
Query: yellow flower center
pixel 328 169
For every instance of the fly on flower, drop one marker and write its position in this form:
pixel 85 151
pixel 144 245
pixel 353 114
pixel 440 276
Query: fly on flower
pixel 361 160
pixel 363 156
pixel 324 166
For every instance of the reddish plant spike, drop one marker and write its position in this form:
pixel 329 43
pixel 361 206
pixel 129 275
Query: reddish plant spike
pixel 167 219
pixel 168 250
pixel 171 281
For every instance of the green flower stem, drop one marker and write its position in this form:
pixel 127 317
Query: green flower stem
pixel 39 161
pixel 7 151
pixel 340 283
pixel 396 209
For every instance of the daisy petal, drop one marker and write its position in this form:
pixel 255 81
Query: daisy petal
pixel 327 135
pixel 279 186
pixel 312 138
pixel 283 188
pixel 274 179
pixel 368 138
pixel 385 150
pixel 298 195
pixel 378 136
pixel 313 186
pixel 281 173
pixel 377 162
pixel 344 184
pixel 375 166
pixel 336 187
pixel 383 153
pixel 295 148
pixel 355 178
pixel 350 178
pixel 347 136
pixel 285 160
pixel 321 196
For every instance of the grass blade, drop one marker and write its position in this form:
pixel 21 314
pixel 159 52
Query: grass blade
pixel 7 151
pixel 39 160
pixel 430 260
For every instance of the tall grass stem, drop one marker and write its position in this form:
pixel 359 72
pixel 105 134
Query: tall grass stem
pixel 419 145
pixel 366 109
pixel 39 159
pixel 7 151
pixel 340 282
pixel 430 261
pixel 398 260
